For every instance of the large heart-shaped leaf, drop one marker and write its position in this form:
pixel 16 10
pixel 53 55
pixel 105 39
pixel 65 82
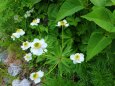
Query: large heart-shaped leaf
pixel 96 44
pixel 69 7
pixel 102 17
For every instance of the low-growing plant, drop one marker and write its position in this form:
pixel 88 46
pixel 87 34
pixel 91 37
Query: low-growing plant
pixel 61 42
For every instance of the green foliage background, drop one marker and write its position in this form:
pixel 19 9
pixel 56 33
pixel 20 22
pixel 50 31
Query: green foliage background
pixel 91 31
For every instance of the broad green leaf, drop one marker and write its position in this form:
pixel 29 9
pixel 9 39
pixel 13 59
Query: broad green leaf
pixel 113 1
pixel 101 2
pixel 96 44
pixel 69 7
pixel 102 17
pixel 52 11
pixel 30 3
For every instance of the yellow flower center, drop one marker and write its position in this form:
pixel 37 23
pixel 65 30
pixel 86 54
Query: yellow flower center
pixel 34 21
pixel 35 76
pixel 77 57
pixel 25 44
pixel 18 30
pixel 62 23
pixel 37 45
pixel 27 56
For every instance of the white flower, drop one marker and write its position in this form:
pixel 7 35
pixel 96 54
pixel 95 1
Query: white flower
pixel 28 13
pixel 77 58
pixel 28 57
pixel 38 46
pixel 20 32
pixel 31 10
pixel 63 23
pixel 15 35
pixel 25 45
pixel 36 76
pixel 35 22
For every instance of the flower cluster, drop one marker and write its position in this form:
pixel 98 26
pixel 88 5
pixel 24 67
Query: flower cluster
pixel 28 13
pixel 17 34
pixel 37 47
pixel 36 76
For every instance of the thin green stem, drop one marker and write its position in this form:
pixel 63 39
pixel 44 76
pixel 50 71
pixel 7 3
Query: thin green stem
pixel 62 36
pixel 20 40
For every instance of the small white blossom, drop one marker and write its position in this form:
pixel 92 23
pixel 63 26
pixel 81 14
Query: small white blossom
pixel 62 23
pixel 38 46
pixel 25 45
pixel 35 22
pixel 28 13
pixel 28 57
pixel 15 35
pixel 77 58
pixel 20 32
pixel 36 76
pixel 31 10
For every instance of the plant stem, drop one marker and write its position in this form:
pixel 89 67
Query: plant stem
pixel 62 37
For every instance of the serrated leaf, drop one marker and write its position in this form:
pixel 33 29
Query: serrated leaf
pixel 96 44
pixel 102 17
pixel 69 7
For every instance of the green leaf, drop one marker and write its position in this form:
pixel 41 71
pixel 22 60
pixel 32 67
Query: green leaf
pixel 102 17
pixel 69 7
pixel 96 44
pixel 113 1
pixel 52 11
pixel 30 3
pixel 101 2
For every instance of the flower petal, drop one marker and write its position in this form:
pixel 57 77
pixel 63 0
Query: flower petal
pixel 40 73
pixel 37 80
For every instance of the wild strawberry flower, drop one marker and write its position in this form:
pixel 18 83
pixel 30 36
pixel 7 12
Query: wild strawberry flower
pixel 38 46
pixel 17 34
pixel 28 57
pixel 36 76
pixel 35 22
pixel 63 23
pixel 77 58
pixel 25 45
